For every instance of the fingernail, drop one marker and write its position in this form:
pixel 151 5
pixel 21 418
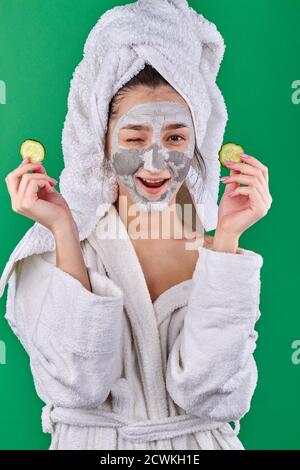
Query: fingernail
pixel 230 163
pixel 24 161
pixel 244 155
pixel 225 178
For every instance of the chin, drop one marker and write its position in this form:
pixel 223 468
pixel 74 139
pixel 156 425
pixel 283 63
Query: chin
pixel 152 206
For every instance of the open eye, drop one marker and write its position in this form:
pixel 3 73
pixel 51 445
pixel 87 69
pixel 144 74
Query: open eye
pixel 176 135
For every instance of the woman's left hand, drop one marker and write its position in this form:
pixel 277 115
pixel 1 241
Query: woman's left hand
pixel 248 203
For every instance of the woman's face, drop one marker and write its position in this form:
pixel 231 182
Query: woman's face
pixel 151 145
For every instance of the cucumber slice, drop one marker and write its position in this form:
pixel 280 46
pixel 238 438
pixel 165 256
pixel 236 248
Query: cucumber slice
pixel 33 149
pixel 231 152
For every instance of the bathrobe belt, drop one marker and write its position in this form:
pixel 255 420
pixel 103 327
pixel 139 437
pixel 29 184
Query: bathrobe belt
pixel 149 430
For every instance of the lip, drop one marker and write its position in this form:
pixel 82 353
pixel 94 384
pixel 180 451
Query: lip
pixel 152 179
pixel 153 191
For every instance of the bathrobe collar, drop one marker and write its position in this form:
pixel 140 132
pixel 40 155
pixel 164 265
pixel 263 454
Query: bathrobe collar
pixel 113 245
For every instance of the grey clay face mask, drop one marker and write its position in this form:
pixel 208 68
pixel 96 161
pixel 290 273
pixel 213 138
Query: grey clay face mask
pixel 157 157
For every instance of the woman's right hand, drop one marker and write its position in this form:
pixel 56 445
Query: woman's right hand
pixel 47 207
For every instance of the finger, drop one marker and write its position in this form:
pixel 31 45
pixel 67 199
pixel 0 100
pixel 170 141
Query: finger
pixel 23 188
pixel 253 161
pixel 249 180
pixel 39 169
pixel 257 203
pixel 247 170
pixel 254 171
pixel 241 179
pixel 230 186
pixel 252 192
pixel 13 178
pixel 30 194
pixel 23 168
pixel 35 177
pixel 25 160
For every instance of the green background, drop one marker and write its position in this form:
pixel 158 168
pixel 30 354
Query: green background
pixel 41 42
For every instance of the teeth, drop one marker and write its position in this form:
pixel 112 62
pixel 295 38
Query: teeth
pixel 153 181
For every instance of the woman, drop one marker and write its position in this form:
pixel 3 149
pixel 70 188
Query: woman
pixel 138 341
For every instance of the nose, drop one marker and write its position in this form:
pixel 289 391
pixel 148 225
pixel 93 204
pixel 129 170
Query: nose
pixel 154 160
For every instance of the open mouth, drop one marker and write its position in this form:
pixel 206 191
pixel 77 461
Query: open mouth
pixel 153 186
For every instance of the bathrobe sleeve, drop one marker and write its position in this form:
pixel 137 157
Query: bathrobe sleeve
pixel 211 371
pixel 72 335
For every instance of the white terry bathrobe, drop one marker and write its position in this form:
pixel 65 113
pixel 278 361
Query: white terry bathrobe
pixel 115 370
pixel 120 372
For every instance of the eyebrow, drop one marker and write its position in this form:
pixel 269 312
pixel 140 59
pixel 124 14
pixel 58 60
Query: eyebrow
pixel 141 127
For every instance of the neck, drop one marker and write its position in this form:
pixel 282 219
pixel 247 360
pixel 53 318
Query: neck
pixel 158 225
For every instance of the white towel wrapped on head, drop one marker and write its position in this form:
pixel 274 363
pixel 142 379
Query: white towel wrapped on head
pixel 187 50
